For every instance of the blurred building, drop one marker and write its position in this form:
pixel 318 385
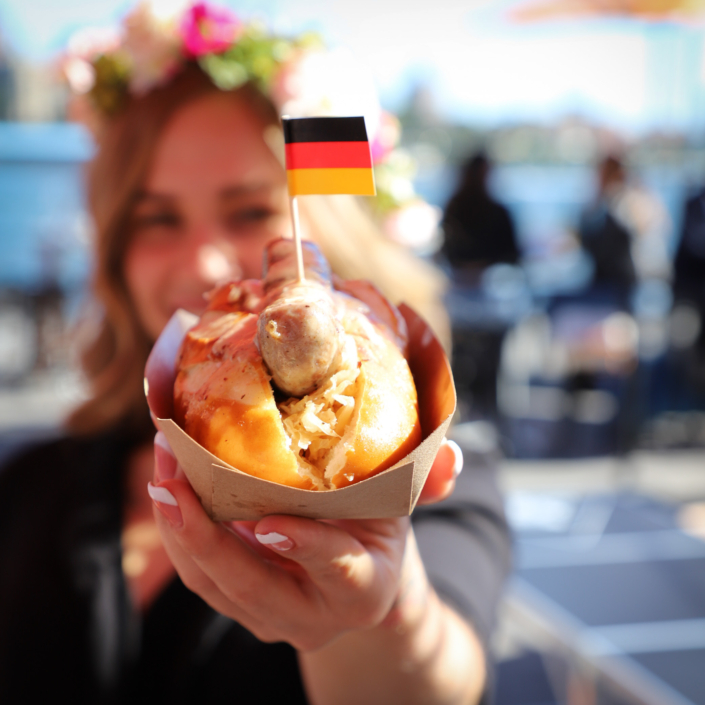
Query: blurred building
pixel 29 91
pixel 6 84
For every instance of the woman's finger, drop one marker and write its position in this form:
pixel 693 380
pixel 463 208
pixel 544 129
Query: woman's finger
pixel 166 467
pixel 165 463
pixel 197 581
pixel 441 479
pixel 245 531
pixel 245 579
pixel 339 565
pixel 338 584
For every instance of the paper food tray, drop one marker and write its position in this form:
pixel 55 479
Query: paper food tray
pixel 228 494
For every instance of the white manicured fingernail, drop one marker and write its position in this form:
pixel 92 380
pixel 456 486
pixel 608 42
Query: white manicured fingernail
pixel 272 537
pixel 275 540
pixel 161 494
pixel 458 465
pixel 161 441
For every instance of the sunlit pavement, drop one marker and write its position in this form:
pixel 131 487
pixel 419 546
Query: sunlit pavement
pixel 606 605
pixel 672 476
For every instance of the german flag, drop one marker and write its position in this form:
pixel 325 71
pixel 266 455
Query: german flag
pixel 327 155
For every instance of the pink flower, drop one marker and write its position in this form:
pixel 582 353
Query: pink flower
pixel 208 30
pixel 386 137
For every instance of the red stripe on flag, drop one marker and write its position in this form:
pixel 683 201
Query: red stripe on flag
pixel 328 155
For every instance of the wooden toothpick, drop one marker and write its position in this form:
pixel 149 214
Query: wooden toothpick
pixel 297 239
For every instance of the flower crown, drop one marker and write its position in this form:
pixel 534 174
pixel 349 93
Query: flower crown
pixel 158 38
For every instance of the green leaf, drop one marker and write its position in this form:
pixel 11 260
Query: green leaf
pixel 224 71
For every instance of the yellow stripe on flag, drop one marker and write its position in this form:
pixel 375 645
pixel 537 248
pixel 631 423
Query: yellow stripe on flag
pixel 304 182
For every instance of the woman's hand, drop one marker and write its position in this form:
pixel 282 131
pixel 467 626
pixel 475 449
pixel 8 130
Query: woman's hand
pixel 351 596
pixel 287 578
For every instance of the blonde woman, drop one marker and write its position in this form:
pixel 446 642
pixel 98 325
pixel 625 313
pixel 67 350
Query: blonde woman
pixel 109 596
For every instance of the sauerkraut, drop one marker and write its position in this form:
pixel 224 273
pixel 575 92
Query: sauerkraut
pixel 316 423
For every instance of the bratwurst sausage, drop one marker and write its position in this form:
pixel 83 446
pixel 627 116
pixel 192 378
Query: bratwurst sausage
pixel 300 332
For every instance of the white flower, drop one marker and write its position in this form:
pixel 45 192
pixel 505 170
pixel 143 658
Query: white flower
pixel 90 42
pixel 83 48
pixel 414 225
pixel 79 73
pixel 152 43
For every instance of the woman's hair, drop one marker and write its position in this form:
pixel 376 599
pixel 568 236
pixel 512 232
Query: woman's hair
pixel 114 357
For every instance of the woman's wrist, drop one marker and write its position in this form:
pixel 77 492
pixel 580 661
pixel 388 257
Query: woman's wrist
pixel 421 652
pixel 432 637
pixel 412 602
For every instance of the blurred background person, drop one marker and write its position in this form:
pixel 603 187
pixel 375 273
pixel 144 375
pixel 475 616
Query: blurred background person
pixel 625 230
pixel 681 376
pixel 606 239
pixel 478 239
pixel 478 230
pixel 689 262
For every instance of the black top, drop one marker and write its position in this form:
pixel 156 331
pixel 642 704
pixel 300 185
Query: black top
pixel 689 264
pixel 67 625
pixel 478 230
pixel 608 242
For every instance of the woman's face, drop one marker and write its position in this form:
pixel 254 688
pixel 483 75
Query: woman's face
pixel 214 196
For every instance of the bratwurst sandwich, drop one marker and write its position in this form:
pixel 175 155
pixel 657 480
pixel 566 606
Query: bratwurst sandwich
pixel 303 383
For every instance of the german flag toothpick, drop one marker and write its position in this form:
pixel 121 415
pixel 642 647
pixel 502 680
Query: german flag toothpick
pixel 328 155
pixel 325 155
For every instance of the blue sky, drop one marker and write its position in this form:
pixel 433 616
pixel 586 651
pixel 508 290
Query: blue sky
pixel 626 73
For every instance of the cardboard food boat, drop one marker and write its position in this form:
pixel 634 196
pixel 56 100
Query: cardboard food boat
pixel 228 494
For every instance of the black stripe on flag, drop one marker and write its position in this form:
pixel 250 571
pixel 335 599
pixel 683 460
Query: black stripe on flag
pixel 324 129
